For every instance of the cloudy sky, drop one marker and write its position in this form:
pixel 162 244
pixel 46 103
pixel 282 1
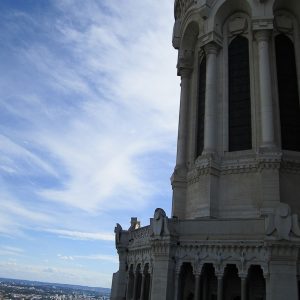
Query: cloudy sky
pixel 88 124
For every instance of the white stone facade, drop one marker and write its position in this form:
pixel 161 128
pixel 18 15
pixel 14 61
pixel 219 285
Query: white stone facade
pixel 234 231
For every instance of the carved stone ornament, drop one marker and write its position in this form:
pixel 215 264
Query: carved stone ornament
pixel 238 25
pixel 283 23
pixel 176 34
pixel 134 224
pixel 118 232
pixel 283 223
pixel 160 223
pixel 185 61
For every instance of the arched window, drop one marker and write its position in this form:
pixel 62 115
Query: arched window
pixel 201 106
pixel 240 134
pixel 288 93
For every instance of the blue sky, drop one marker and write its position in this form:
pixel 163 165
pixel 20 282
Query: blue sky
pixel 88 125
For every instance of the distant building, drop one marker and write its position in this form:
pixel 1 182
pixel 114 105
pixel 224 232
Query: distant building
pixel 234 231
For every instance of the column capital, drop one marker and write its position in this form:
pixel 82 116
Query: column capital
pixel 263 24
pixel 220 274
pixel 263 35
pixel 184 72
pixel 211 48
pixel 243 276
pixel 185 63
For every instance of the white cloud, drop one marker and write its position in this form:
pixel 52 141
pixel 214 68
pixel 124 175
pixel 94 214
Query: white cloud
pixel 100 257
pixel 10 250
pixel 76 235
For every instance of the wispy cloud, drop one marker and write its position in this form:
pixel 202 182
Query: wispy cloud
pixel 89 107
pixel 76 235
pixel 100 257
pixel 10 250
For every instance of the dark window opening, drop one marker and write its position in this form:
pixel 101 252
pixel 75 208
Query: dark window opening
pixel 201 106
pixel 288 93
pixel 240 133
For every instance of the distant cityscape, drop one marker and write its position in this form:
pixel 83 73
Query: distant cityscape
pixel 15 289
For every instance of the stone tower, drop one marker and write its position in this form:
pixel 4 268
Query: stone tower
pixel 234 230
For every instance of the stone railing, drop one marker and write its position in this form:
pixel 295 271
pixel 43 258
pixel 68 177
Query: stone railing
pixel 139 236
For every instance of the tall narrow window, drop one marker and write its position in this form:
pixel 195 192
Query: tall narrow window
pixel 288 93
pixel 201 106
pixel 240 135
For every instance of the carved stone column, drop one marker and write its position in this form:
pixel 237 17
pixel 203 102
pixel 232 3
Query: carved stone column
pixel 128 286
pixel 150 283
pixel 135 286
pixel 142 286
pixel 210 118
pixel 177 284
pixel 243 286
pixel 178 179
pixel 265 87
pixel 220 286
pixel 184 67
pixel 197 286
pixel 267 280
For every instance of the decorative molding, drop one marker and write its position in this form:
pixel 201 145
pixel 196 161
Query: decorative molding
pixel 282 225
pixel 185 62
pixel 283 23
pixel 212 38
pixel 238 25
pixel 181 6
pixel 262 24
pixel 159 224
pixel 176 34
pixel 239 164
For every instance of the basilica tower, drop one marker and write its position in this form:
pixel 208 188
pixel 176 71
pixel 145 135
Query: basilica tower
pixel 234 230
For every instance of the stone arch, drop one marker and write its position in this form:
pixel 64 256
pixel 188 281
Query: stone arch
pixel 200 105
pixel 232 283
pixel 130 283
pixel 187 282
pixel 256 284
pixel 292 6
pixel 240 129
pixel 146 286
pixel 288 92
pixel 208 283
pixel 138 274
pixel 224 9
pixel 178 7
pixel 189 36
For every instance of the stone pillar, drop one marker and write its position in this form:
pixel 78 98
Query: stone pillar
pixel 204 292
pixel 211 119
pixel 178 179
pixel 197 286
pixel 243 286
pixel 267 280
pixel 163 269
pixel 265 87
pixel 177 285
pixel 185 74
pixel 135 286
pixel 150 285
pixel 283 280
pixel 128 286
pixel 142 286
pixel 220 286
